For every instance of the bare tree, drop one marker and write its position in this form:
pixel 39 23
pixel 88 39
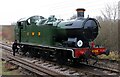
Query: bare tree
pixel 110 12
pixel 109 27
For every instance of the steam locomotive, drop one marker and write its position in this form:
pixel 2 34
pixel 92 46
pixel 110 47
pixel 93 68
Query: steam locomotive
pixel 65 41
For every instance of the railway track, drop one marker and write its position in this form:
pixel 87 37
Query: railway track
pixel 110 64
pixel 105 63
pixel 52 68
pixel 38 67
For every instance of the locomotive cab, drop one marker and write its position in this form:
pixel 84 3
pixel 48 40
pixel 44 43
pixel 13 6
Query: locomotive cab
pixel 20 25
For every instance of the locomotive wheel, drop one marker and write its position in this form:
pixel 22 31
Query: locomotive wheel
pixel 90 58
pixel 25 50
pixel 19 51
pixel 75 62
pixel 45 55
pixel 32 52
pixel 35 53
pixel 61 59
pixel 22 50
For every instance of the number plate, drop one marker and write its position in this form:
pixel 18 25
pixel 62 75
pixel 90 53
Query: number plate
pixel 94 50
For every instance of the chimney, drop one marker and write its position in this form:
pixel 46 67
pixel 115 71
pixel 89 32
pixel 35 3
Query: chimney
pixel 80 12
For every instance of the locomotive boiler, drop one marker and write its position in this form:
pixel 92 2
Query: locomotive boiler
pixel 79 32
pixel 64 40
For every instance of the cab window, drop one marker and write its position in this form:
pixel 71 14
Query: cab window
pixel 35 20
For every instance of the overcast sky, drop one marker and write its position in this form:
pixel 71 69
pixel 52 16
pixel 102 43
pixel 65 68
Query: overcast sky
pixel 13 10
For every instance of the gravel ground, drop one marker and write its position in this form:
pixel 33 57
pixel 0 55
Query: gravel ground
pixel 8 69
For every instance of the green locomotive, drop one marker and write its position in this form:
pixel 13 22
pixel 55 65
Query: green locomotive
pixel 69 39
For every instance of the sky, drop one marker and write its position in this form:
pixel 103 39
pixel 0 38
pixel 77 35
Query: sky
pixel 13 10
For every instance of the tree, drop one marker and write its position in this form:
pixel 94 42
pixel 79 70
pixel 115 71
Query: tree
pixel 108 35
pixel 110 12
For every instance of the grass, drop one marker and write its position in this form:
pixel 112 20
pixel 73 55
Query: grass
pixel 5 70
pixel 112 56
pixel 0 68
